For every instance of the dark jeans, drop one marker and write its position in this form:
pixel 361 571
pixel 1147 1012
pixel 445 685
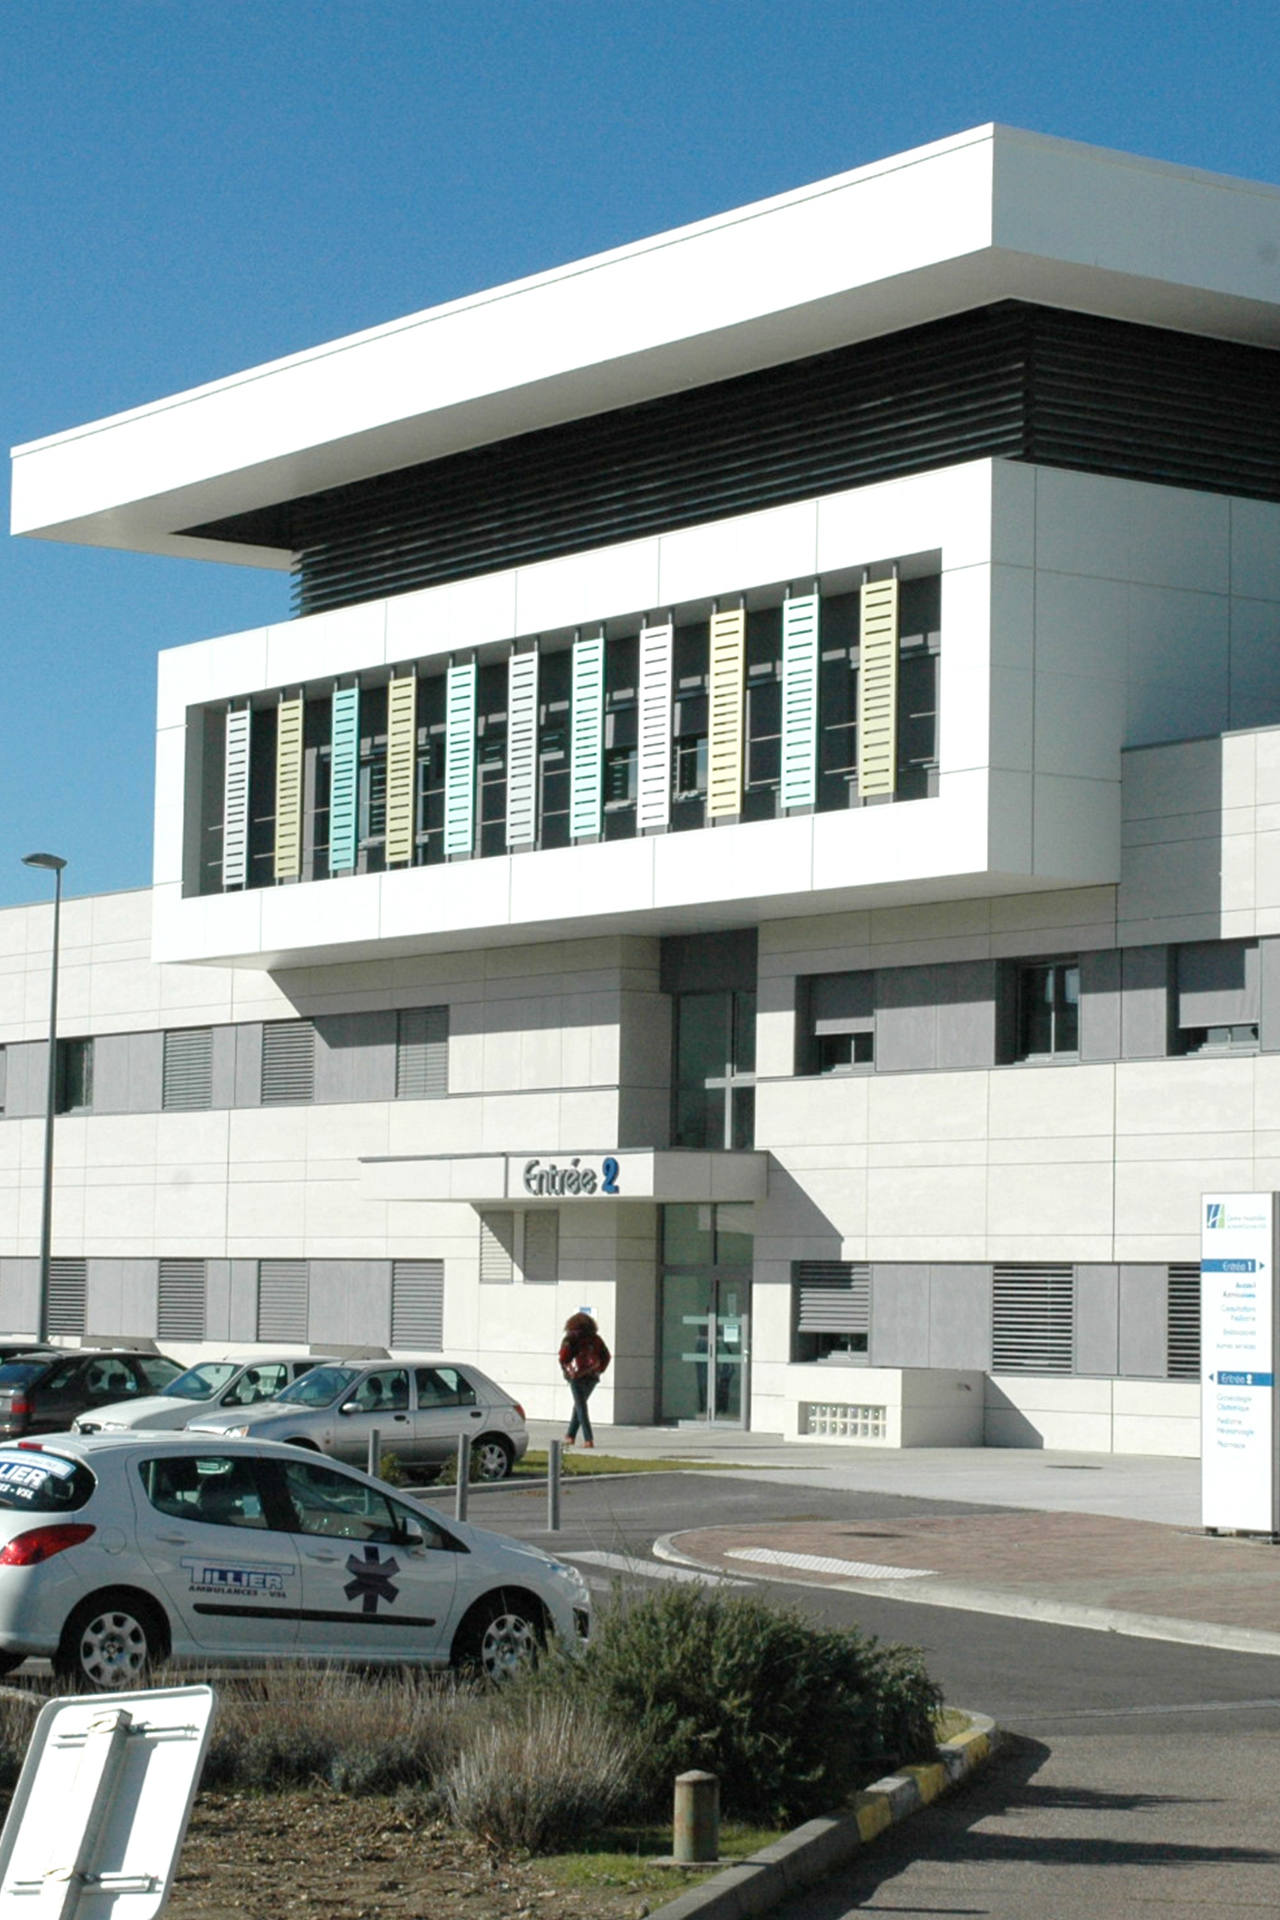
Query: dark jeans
pixel 582 1391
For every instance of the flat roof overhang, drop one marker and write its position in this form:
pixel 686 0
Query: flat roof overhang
pixel 598 1177
pixel 991 214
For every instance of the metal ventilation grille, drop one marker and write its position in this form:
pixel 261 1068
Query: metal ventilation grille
pixel 288 1063
pixel 1026 382
pixel 180 1312
pixel 422 1053
pixel 833 1296
pixel 1033 1320
pixel 283 1292
pixel 1182 1361
pixel 497 1247
pixel 417 1304
pixel 68 1286
pixel 541 1246
pixel 188 1070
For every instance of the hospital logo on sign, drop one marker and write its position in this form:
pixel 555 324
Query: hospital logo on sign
pixel 1215 1214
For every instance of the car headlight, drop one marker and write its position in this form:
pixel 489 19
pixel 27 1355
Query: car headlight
pixel 235 1433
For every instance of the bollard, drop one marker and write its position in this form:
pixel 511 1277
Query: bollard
pixel 375 1451
pixel 696 1835
pixel 464 1476
pixel 554 1452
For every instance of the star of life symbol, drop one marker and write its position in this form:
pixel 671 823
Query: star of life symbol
pixel 371 1580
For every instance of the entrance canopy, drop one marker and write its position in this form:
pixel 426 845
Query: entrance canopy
pixel 596 1178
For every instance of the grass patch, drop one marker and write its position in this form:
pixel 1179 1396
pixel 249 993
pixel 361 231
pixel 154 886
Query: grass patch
pixel 620 1856
pixel 573 1462
pixel 950 1724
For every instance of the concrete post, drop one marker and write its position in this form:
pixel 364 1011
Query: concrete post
pixel 696 1835
pixel 464 1476
pixel 554 1452
pixel 375 1451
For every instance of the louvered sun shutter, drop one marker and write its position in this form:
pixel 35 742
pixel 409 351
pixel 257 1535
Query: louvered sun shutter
pixel 460 759
pixel 522 749
pixel 654 803
pixel 832 1296
pixel 235 799
pixel 180 1304
pixel 878 688
pixel 724 743
pixel 68 1288
pixel 1033 1319
pixel 188 1070
pixel 417 1305
pixel 283 1289
pixel 288 1063
pixel 402 754
pixel 1183 1337
pixel 288 845
pixel 497 1247
pixel 344 767
pixel 541 1263
pixel 800 701
pixel 587 738
pixel 422 1053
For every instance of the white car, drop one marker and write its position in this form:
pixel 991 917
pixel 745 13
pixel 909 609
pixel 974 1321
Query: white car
pixel 212 1386
pixel 118 1551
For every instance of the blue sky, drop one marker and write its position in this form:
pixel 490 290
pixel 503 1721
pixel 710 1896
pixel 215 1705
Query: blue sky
pixel 192 188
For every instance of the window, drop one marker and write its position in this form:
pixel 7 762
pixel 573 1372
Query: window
pixel 188 1070
pixel 715 1047
pixel 210 1490
pixel 443 1387
pixel 541 1264
pixel 491 760
pixel 288 1063
pixel 417 1304
pixel 422 1053
pixel 497 1247
pixel 75 1076
pixel 1048 1009
pixel 323 1501
pixel 68 1285
pixel 1218 997
pixel 621 737
pixel 837 1013
pixel 831 1302
pixel 283 1299
pixel 384 1392
pixel 180 1309
pixel 554 778
pixel 1033 1320
pixel 1183 1336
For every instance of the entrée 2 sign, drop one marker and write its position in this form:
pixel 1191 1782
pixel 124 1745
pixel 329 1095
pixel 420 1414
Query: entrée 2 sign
pixel 544 1178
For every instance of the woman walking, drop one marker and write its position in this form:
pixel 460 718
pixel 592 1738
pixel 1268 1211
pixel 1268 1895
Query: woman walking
pixel 583 1358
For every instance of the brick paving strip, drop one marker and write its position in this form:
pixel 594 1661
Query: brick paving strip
pixel 1024 1562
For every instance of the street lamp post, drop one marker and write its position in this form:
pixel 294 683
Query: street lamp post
pixel 54 865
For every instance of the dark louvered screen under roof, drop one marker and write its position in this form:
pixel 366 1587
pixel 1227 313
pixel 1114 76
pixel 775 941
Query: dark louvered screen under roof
pixel 1026 382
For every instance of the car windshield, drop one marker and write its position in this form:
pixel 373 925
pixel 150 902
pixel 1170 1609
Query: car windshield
pixel 39 1482
pixel 319 1388
pixel 20 1373
pixel 202 1383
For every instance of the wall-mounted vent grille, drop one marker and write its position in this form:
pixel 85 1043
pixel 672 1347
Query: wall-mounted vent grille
pixel 417 1305
pixel 288 1063
pixel 1033 1320
pixel 1026 382
pixel 542 1246
pixel 497 1247
pixel 68 1287
pixel 180 1309
pixel 422 1053
pixel 283 1288
pixel 188 1069
pixel 1183 1351
pixel 834 1296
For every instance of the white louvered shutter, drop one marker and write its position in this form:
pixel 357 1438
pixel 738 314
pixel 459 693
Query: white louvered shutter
pixel 497 1248
pixel 653 807
pixel 522 749
pixel 235 799
pixel 188 1070
pixel 417 1305
pixel 422 1053
pixel 800 701
pixel 180 1300
pixel 1033 1319
pixel 832 1296
pixel 541 1263
pixel 283 1290
pixel 68 1289
pixel 288 1063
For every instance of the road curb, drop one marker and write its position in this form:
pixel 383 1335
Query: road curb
pixel 753 1886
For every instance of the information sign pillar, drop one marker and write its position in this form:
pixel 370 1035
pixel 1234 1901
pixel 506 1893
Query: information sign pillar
pixel 1238 1330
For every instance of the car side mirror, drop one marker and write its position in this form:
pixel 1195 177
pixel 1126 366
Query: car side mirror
pixel 411 1535
pixel 349 1407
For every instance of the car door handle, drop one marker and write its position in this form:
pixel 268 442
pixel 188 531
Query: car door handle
pixel 314 1555
pixel 477 1413
pixel 173 1539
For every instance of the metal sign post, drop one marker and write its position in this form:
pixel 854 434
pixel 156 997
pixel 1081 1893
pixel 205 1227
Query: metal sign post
pixel 1238 1332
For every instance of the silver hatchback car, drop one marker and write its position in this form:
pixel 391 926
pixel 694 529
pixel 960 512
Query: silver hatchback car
pixel 418 1408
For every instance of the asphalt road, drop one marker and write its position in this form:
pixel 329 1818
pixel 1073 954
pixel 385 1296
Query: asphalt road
pixel 1138 1782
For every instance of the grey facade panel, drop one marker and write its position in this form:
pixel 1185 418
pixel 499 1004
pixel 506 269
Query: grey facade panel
pixel 1144 1003
pixel 351 1303
pixel 1100 1005
pixel 26 1086
pixel 899 1315
pixel 906 1019
pixel 1218 983
pixel 139 1288
pixel 1144 1322
pixel 248 1069
pixel 111 1060
pixel 19 1293
pixel 217 1299
pixel 355 1056
pixel 967 1014
pixel 242 1315
pixel 1269 992
pixel 144 1091
pixel 223 1067
pixel 1097 1319
pixel 960 1316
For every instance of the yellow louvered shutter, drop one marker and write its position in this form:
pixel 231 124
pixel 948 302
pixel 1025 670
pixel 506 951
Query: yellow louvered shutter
pixel 724 746
pixel 402 723
pixel 288 848
pixel 878 689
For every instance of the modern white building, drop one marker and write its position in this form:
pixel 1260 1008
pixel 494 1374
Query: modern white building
pixel 764 825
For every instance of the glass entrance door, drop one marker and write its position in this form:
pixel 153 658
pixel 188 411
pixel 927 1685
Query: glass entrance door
pixel 705 1344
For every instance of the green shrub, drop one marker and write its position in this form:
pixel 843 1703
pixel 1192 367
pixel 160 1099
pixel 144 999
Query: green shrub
pixel 391 1469
pixel 544 1772
pixel 790 1715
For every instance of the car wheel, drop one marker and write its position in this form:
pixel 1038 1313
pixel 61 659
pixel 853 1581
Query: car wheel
pixel 10 1662
pixel 494 1457
pixel 501 1636
pixel 111 1641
